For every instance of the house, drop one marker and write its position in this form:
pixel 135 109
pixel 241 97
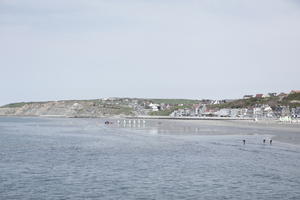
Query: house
pixel 112 98
pixel 267 108
pixel 209 113
pixel 266 96
pixel 295 92
pixel 199 109
pixel 154 107
pixel 285 111
pixel 235 112
pixel 224 101
pixel 281 111
pixel 196 109
pixel 181 113
pixel 135 101
pixel 272 94
pixel 296 112
pixel 206 101
pixel 174 114
pixel 168 106
pixel 243 112
pixel 247 96
pixel 216 102
pixel 259 96
pixel 257 111
pixel 268 111
pixel 224 112
pixel 249 112
pixel 282 94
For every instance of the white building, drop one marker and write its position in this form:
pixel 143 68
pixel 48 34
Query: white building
pixel 224 112
pixel 154 107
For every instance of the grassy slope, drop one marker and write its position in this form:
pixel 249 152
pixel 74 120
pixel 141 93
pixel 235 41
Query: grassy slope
pixel 291 97
pixel 272 101
pixel 240 103
pixel 20 104
pixel 107 108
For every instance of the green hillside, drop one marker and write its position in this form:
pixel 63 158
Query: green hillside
pixel 292 100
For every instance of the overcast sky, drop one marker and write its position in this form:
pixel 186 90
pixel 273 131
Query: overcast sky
pixel 83 49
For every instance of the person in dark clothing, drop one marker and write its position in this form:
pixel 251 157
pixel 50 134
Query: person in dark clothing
pixel 264 141
pixel 244 141
pixel 271 141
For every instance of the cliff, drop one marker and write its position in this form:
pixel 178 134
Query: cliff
pixel 72 108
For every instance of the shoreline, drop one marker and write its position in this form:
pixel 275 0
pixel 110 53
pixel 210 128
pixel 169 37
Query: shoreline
pixel 282 132
pixel 288 133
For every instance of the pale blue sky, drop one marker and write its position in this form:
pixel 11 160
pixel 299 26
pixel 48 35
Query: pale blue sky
pixel 79 49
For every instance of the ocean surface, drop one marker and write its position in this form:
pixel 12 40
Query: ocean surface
pixel 51 158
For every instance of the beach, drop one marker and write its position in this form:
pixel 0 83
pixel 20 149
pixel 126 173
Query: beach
pixel 280 132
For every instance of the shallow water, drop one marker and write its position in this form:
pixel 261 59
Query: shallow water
pixel 84 159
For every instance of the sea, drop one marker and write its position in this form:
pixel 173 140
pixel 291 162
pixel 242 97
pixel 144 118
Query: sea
pixel 74 158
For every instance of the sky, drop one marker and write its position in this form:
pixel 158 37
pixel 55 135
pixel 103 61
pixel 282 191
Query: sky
pixel 87 49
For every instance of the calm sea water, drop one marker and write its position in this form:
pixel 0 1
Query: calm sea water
pixel 85 159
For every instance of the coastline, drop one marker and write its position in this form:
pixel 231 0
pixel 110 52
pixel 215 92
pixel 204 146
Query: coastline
pixel 282 132
pixel 288 133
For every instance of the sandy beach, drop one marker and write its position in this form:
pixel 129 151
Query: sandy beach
pixel 280 132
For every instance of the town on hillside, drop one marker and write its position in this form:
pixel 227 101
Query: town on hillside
pixel 268 106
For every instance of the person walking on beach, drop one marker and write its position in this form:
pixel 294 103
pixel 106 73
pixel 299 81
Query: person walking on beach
pixel 271 142
pixel 244 141
pixel 264 141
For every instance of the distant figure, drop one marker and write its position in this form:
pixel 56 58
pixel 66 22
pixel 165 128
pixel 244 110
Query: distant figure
pixel 264 141
pixel 271 141
pixel 244 141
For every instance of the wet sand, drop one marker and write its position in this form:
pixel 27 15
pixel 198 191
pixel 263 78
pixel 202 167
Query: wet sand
pixel 280 132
